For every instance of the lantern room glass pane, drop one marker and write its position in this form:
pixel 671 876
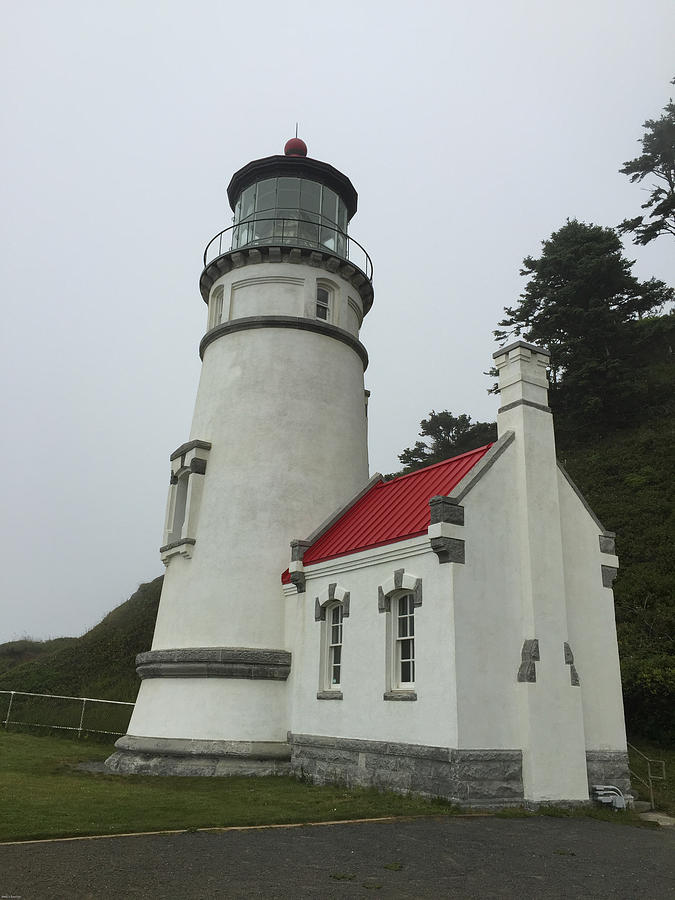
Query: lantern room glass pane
pixel 310 196
pixel 266 198
pixel 288 193
pixel 329 204
pixel 247 201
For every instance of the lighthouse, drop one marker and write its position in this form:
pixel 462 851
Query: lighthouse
pixel 449 632
pixel 278 442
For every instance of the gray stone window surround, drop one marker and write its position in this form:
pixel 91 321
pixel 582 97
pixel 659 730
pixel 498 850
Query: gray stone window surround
pixel 569 661
pixel 188 466
pixel 529 655
pixel 400 584
pixel 334 594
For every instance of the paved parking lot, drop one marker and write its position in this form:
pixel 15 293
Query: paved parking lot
pixel 473 857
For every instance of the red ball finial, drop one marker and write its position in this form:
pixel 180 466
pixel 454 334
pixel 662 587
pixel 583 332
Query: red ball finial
pixel 295 147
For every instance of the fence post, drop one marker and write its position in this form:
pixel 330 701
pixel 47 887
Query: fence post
pixel 79 730
pixel 9 708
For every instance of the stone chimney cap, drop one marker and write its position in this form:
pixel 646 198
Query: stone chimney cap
pixel 533 347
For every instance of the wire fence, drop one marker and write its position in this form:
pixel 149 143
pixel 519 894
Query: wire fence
pixel 21 709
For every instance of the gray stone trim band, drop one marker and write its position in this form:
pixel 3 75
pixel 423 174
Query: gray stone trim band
pixel 607 542
pixel 569 660
pixel 175 544
pixel 215 662
pixel 524 344
pixel 181 756
pixel 521 402
pixel 190 445
pixel 317 326
pixel 479 778
pixel 476 473
pixel 529 656
pixel 298 549
pixel 609 573
pixel 445 509
pixel 190 747
pixel 582 498
pixel 399 695
pixel 299 580
pixel 448 549
pixel 329 695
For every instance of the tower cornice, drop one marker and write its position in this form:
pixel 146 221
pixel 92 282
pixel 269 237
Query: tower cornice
pixel 323 259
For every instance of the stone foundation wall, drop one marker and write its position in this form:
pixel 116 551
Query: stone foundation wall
pixel 482 778
pixel 179 756
pixel 608 767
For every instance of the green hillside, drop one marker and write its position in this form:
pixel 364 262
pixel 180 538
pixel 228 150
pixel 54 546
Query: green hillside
pixel 100 663
pixel 13 653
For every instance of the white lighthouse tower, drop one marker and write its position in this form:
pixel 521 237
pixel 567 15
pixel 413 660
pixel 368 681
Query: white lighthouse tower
pixel 278 442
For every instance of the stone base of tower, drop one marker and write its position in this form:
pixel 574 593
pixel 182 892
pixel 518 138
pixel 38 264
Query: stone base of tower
pixel 180 756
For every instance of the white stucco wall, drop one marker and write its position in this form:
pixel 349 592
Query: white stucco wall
pixel 285 289
pixel 284 412
pixel 488 617
pixel 363 713
pixel 591 624
pixel 211 709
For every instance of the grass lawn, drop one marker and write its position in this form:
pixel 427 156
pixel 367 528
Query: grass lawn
pixel 43 795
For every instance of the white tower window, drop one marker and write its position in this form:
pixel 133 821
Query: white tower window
pixel 179 506
pixel 323 303
pixel 188 467
pixel 216 307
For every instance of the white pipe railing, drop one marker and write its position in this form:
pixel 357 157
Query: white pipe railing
pixel 79 728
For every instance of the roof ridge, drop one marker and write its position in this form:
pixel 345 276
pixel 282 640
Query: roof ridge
pixel 442 462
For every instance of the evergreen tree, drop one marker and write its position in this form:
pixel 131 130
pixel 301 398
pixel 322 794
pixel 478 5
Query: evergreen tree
pixel 657 160
pixel 448 436
pixel 579 298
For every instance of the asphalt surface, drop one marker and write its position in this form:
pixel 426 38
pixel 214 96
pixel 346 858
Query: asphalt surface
pixel 476 857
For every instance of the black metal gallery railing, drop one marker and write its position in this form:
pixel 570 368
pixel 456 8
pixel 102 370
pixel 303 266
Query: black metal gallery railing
pixel 289 232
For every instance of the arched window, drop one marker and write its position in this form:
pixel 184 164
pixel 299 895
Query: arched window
pixel 404 643
pixel 323 302
pixel 331 609
pixel 334 617
pixel 400 598
pixel 216 307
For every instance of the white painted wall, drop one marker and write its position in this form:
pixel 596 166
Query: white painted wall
pixel 363 713
pixel 225 709
pixel 488 618
pixel 591 624
pixel 284 411
pixel 286 289
pixel 551 715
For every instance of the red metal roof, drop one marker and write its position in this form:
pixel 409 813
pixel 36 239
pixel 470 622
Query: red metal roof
pixel 391 510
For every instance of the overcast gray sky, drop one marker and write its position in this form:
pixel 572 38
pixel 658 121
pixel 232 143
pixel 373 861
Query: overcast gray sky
pixel 470 130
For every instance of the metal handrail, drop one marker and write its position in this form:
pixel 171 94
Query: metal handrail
pixel 79 728
pixel 216 245
pixel 651 777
